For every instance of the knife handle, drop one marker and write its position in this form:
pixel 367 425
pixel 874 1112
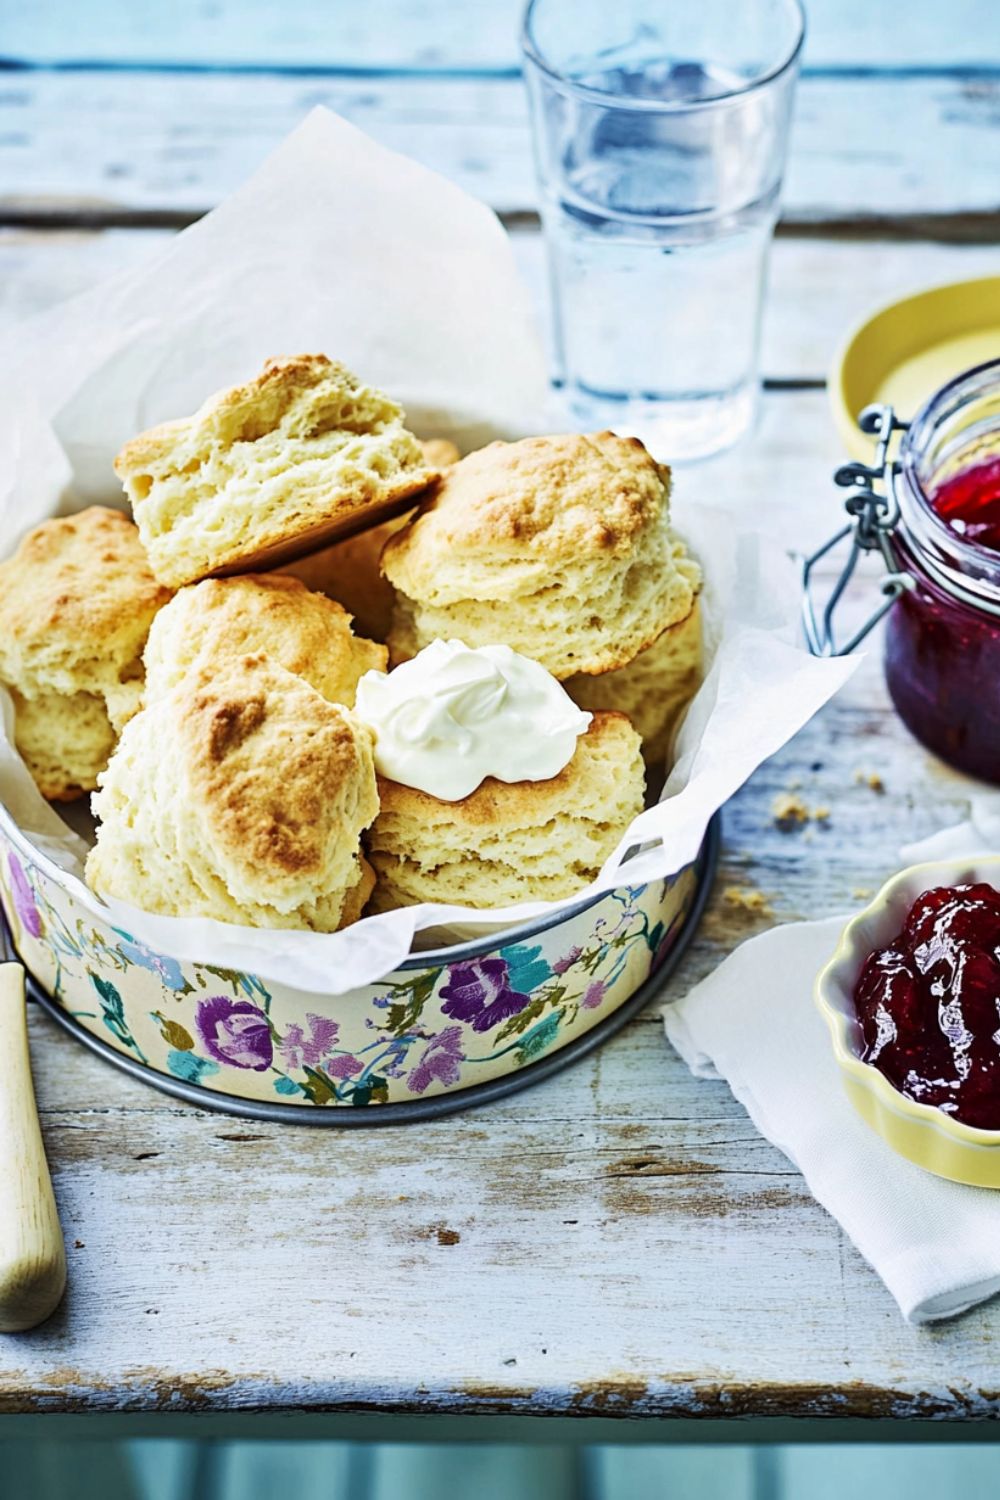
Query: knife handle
pixel 32 1252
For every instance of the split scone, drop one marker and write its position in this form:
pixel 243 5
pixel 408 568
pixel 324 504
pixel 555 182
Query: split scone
pixel 77 599
pixel 303 632
pixel 240 795
pixel 654 688
pixel 349 571
pixel 268 470
pixel 510 841
pixel 559 547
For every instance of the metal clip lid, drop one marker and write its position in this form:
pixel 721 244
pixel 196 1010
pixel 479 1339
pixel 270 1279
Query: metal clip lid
pixel 874 517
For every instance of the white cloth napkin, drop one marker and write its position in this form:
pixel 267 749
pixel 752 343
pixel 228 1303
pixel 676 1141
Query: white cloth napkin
pixel 935 1244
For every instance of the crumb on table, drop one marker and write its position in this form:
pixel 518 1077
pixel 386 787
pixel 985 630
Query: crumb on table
pixel 870 779
pixel 789 811
pixel 747 899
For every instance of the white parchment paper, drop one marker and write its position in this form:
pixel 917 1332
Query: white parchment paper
pixel 340 247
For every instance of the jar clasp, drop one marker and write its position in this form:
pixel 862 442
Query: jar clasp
pixel 873 518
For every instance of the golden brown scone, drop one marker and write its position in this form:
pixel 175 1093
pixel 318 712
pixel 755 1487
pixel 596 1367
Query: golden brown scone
pixel 265 468
pixel 76 602
pixel 64 739
pixel 510 842
pixel 349 571
pixel 239 795
pixel 440 453
pixel 654 688
pixel 303 632
pixel 559 547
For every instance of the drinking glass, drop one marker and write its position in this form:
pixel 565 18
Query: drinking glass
pixel 660 136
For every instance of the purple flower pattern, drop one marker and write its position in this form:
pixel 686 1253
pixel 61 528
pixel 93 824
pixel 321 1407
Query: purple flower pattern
pixel 479 992
pixel 440 1060
pixel 593 995
pixel 345 1066
pixel 309 1051
pixel 564 964
pixel 24 898
pixel 235 1032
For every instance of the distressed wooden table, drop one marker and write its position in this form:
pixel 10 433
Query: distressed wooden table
pixel 618 1244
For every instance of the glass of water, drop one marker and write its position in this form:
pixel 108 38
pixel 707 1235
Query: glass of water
pixel 660 135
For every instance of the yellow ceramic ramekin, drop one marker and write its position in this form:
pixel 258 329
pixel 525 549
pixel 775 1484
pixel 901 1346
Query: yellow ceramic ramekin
pixel 903 352
pixel 920 1132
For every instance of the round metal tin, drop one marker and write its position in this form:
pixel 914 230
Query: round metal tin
pixel 446 1030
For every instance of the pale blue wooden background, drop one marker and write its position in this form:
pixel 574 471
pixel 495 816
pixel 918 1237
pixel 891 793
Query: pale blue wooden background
pixel 855 47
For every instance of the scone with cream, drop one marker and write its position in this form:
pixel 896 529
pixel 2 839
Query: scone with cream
pixel 654 688
pixel 77 600
pixel 493 787
pixel 269 470
pixel 303 632
pixel 349 571
pixel 560 547
pixel 241 794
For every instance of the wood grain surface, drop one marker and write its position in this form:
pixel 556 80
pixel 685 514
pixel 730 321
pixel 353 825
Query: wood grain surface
pixel 618 1243
pixel 425 35
pixel 72 149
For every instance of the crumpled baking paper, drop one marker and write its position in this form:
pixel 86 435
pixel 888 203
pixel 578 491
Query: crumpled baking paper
pixel 339 246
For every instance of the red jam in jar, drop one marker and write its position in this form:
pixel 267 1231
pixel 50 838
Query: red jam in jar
pixel 942 643
pixel 929 1004
pixel 969 504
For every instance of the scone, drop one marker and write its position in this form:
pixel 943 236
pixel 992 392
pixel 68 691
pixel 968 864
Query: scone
pixel 64 739
pixel 654 688
pixel 349 570
pixel 239 795
pixel 440 453
pixel 559 547
pixel 303 632
pixel 510 842
pixel 268 470
pixel 76 602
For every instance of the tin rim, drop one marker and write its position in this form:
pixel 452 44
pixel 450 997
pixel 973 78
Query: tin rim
pixel 411 1111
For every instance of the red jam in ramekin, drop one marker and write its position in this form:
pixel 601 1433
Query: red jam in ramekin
pixel 929 1004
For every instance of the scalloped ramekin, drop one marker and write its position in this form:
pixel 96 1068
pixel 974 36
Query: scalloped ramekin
pixel 920 1132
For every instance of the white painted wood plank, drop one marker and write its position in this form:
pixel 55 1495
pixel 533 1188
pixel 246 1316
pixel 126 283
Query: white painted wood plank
pixel 437 33
pixel 818 288
pixel 914 148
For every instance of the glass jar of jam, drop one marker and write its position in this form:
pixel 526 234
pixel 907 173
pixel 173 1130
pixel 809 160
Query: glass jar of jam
pixel 933 512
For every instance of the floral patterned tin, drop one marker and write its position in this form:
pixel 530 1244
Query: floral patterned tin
pixel 442 1030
